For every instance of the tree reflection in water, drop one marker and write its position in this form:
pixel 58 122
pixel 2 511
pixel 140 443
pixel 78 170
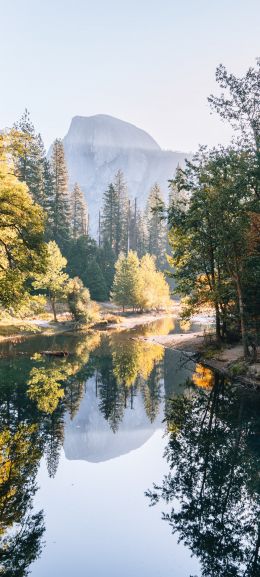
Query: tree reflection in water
pixel 213 454
pixel 36 393
pixel 213 449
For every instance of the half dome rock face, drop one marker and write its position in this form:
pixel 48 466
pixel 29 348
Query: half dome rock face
pixel 102 131
pixel 96 147
pixel 89 436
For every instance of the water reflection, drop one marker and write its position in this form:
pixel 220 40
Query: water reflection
pixel 107 398
pixel 213 485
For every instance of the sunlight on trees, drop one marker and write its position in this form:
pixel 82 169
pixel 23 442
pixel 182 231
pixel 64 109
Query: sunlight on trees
pixel 54 279
pixel 203 377
pixel 138 284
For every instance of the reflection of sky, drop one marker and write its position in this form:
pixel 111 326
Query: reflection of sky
pixel 99 522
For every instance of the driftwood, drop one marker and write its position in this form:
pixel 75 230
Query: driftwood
pixel 55 353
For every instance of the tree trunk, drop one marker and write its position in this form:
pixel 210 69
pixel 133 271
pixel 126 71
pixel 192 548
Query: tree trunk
pixel 242 317
pixel 217 316
pixel 53 306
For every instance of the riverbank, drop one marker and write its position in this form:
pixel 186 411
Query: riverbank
pixel 228 361
pixel 110 319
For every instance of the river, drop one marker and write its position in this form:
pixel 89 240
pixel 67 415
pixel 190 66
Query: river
pixel 126 460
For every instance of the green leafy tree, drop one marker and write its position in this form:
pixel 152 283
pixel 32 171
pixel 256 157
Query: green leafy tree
pixel 83 310
pixel 54 279
pixel 155 291
pixel 210 238
pixel 239 104
pixel 138 284
pixel 22 250
pixel 44 387
pixel 127 282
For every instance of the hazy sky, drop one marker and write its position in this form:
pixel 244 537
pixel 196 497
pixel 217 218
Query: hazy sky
pixel 150 62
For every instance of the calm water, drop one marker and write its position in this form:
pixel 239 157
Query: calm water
pixel 91 441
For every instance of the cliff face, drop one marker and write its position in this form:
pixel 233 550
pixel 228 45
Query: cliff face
pixel 97 146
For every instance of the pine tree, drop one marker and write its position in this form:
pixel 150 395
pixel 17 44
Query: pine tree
pixel 61 200
pixel 109 217
pixel 177 192
pixel 152 393
pixel 115 215
pixel 156 228
pixel 95 281
pixel 79 213
pixel 48 203
pixel 30 158
pixel 106 259
pixel 122 215
pixel 126 285
pixel 141 234
pixel 110 393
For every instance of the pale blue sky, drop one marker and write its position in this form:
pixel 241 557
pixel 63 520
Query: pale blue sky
pixel 150 62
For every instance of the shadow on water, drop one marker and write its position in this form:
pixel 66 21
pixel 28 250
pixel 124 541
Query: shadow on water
pixel 212 491
pixel 114 391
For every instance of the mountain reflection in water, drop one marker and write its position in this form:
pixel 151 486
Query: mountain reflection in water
pixel 105 401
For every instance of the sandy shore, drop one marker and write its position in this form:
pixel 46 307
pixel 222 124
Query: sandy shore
pixel 135 320
pixel 189 342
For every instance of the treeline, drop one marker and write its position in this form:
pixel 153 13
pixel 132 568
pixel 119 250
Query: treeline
pixel 214 218
pixel 44 228
pixel 122 225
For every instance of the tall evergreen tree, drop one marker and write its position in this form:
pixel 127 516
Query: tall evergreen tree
pixel 61 200
pixel 30 158
pixel 115 215
pixel 48 202
pixel 106 259
pixel 79 212
pixel 156 228
pixel 141 234
pixel 127 282
pixel 122 216
pixel 109 217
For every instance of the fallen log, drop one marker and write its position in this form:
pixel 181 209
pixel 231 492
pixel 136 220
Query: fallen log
pixel 55 353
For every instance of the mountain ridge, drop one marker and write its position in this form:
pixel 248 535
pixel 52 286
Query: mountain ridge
pixel 96 147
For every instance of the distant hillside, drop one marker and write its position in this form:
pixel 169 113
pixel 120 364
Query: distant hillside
pixel 97 146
